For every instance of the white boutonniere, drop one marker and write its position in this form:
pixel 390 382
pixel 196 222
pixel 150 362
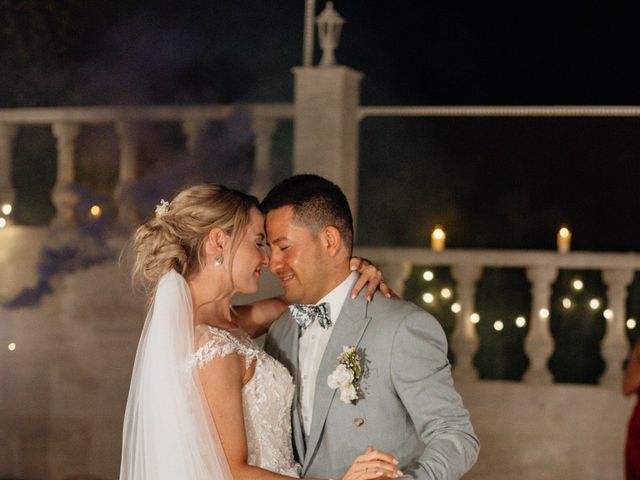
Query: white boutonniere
pixel 347 375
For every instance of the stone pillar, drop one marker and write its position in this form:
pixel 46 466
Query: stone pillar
pixel 128 135
pixel 539 343
pixel 7 192
pixel 193 131
pixel 63 196
pixel 615 346
pixel 263 130
pixel 326 126
pixel 464 339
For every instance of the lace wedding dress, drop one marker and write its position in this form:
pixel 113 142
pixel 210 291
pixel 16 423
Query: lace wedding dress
pixel 267 398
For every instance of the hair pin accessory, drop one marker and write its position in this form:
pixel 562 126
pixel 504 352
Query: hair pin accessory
pixel 162 208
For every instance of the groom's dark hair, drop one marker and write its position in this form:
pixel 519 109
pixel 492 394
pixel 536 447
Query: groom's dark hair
pixel 317 203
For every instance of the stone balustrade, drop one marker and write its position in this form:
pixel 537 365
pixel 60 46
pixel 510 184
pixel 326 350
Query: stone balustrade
pixel 541 269
pixel 66 126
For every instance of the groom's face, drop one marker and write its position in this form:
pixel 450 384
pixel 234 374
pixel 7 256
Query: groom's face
pixel 297 257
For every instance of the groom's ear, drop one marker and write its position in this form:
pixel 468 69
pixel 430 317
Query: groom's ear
pixel 331 240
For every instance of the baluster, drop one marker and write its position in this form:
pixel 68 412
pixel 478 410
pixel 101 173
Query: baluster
pixel 263 130
pixel 539 343
pixel 194 130
pixel 128 135
pixel 7 192
pixel 63 195
pixel 614 344
pixel 464 339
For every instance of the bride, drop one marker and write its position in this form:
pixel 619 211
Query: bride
pixel 206 403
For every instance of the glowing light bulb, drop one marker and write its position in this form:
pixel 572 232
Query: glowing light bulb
pixel 594 304
pixel 446 293
pixel 498 325
pixel 95 211
pixel 608 314
pixel 427 298
pixel 7 208
pixel 631 323
pixel 521 322
pixel 3 222
pixel 428 275
pixel 474 317
pixel 456 307
pixel 566 303
pixel 543 313
pixel 577 284
pixel 11 347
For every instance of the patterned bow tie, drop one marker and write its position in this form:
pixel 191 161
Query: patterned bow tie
pixel 305 315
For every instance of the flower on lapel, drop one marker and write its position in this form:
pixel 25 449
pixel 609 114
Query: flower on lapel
pixel 347 375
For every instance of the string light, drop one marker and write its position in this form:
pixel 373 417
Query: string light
pixel 474 317
pixel 428 275
pixel 95 211
pixel 446 293
pixel 427 298
pixel 3 222
pixel 577 284
pixel 566 303
pixel 594 304
pixel 521 322
pixel 7 208
pixel 543 313
pixel 11 347
pixel 498 325
pixel 608 314
pixel 456 307
pixel 631 323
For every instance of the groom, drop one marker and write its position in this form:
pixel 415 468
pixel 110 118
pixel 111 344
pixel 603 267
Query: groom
pixel 405 402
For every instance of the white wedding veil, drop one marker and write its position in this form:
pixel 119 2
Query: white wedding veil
pixel 168 431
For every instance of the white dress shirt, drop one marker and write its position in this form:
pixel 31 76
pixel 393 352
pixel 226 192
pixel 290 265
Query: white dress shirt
pixel 312 344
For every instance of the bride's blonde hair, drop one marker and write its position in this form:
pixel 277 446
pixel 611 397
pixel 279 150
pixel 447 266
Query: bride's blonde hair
pixel 175 238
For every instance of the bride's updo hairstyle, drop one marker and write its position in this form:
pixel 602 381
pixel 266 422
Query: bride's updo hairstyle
pixel 175 238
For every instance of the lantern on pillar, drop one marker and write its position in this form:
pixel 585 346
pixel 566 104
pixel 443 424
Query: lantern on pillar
pixel 438 238
pixel 329 27
pixel 563 239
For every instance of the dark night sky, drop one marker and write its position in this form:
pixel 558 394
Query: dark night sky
pixel 491 182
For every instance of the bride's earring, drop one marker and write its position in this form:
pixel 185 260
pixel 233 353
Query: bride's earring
pixel 218 260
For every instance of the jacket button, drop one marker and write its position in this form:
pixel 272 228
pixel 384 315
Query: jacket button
pixel 358 421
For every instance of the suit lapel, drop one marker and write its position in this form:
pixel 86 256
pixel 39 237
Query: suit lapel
pixel 348 330
pixel 290 341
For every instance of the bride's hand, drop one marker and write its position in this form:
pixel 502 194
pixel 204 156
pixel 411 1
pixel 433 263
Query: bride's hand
pixel 370 276
pixel 373 464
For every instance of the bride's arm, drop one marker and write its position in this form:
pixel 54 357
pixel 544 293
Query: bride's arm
pixel 256 318
pixel 222 380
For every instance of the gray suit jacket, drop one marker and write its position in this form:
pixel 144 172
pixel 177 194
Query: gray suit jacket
pixel 410 407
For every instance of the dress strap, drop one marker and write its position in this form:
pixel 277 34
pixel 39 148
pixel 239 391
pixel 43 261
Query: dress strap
pixel 218 343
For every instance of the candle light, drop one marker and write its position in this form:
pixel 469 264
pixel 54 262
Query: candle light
pixel 564 239
pixel 438 238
